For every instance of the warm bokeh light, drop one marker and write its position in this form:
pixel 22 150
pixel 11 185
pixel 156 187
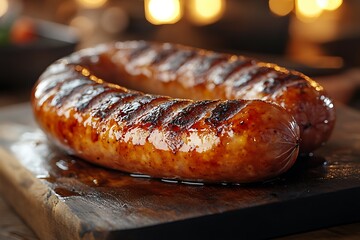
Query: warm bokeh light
pixel 330 5
pixel 281 7
pixel 91 3
pixel 83 24
pixel 114 20
pixel 307 10
pixel 4 5
pixel 163 11
pixel 204 12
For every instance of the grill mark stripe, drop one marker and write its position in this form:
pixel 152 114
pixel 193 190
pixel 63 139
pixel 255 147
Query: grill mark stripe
pixel 106 101
pixel 53 81
pixel 185 117
pixel 144 109
pixel 163 55
pixel 207 62
pixel 72 99
pixel 44 89
pixel 127 111
pixel 58 67
pixel 90 94
pixel 131 106
pixel 251 76
pixel 238 69
pixel 174 111
pixel 156 115
pixel 200 74
pixel 176 60
pixel 216 62
pixel 145 58
pixel 66 88
pixel 225 111
pixel 78 94
pixel 110 110
pixel 138 50
pixel 300 83
pixel 98 99
pixel 191 114
pixel 222 71
pixel 172 138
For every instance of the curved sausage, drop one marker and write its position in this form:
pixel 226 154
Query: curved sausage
pixel 207 140
pixel 184 72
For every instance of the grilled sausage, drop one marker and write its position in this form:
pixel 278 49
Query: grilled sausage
pixel 206 140
pixel 185 72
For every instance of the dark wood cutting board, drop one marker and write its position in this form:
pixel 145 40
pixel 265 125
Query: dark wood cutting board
pixel 62 197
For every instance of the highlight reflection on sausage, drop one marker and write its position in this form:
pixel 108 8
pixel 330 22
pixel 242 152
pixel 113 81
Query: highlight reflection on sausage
pixel 184 72
pixel 207 140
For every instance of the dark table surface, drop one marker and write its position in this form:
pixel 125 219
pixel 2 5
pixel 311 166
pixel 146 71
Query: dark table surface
pixel 12 227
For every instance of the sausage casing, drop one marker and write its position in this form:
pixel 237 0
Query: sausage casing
pixel 185 72
pixel 206 140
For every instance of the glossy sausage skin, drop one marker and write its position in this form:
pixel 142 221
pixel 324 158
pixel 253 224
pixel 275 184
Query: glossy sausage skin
pixel 185 72
pixel 207 140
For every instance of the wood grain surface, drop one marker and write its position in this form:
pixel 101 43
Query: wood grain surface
pixel 11 226
pixel 73 199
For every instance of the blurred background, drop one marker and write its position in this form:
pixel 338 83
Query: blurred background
pixel 320 38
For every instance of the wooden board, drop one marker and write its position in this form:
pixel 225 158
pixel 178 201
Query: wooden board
pixel 62 197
